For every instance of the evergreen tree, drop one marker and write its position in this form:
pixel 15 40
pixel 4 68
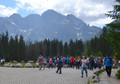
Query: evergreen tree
pixel 65 49
pixel 11 50
pixel 48 48
pixel 53 48
pixel 4 47
pixel 6 44
pixel 60 48
pixel 79 47
pixel 72 48
pixel 16 48
pixel 113 35
pixel 22 49
pixel 44 47
pixel 30 51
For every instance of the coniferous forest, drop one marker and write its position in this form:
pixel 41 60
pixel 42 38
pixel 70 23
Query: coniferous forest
pixel 15 48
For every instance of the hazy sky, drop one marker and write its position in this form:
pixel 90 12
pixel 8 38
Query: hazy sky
pixel 90 11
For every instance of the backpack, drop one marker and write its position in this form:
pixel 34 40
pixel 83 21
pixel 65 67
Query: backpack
pixel 109 58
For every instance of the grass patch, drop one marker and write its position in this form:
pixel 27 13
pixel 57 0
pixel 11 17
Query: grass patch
pixel 88 82
pixel 118 74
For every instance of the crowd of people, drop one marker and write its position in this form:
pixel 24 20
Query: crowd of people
pixel 78 62
pixel 83 63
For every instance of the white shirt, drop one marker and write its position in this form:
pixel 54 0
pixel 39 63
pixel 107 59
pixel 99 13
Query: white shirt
pixel 87 60
pixel 119 61
pixel 84 63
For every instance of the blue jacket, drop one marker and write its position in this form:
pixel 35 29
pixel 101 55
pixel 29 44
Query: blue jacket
pixel 108 61
pixel 60 60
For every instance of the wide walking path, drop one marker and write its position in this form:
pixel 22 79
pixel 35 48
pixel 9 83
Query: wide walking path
pixel 104 79
pixel 47 76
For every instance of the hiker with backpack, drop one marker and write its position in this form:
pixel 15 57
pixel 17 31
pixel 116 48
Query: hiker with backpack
pixel 108 64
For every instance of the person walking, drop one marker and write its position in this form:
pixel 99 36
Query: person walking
pixel 68 61
pixel 54 62
pixel 108 64
pixel 91 61
pixel 40 59
pixel 84 66
pixel 72 61
pixel 50 63
pixel 99 62
pixel 95 62
pixel 60 62
pixel 119 63
pixel 77 63
pixel 88 65
pixel 43 62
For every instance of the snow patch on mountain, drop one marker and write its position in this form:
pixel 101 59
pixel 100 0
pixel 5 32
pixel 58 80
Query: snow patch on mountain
pixel 24 31
pixel 13 23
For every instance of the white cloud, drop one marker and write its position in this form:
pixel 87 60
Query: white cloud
pixel 64 6
pixel 7 11
pixel 96 10
pixel 80 8
pixel 100 22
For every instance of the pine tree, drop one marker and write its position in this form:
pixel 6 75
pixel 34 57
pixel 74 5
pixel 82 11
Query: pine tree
pixel 72 48
pixel 11 50
pixel 22 50
pixel 16 48
pixel 5 51
pixel 48 48
pixel 113 35
pixel 44 47
pixel 79 47
pixel 65 49
pixel 60 48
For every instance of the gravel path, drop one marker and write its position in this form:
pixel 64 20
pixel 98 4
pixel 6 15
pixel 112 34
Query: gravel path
pixel 104 79
pixel 47 76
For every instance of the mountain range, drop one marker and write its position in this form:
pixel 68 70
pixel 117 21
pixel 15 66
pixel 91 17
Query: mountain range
pixel 49 25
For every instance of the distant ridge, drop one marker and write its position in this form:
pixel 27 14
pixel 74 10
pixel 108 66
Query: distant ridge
pixel 50 24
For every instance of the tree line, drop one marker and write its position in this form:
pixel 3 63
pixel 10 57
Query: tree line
pixel 12 48
pixel 15 48
pixel 99 46
pixel 107 43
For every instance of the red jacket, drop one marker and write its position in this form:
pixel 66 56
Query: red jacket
pixel 72 60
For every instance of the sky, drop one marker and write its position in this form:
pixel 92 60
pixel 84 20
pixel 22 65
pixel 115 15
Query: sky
pixel 92 12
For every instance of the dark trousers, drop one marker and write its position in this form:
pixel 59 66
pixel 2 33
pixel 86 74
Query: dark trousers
pixel 72 64
pixel 108 70
pixel 77 67
pixel 88 65
pixel 91 66
pixel 59 69
pixel 99 66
